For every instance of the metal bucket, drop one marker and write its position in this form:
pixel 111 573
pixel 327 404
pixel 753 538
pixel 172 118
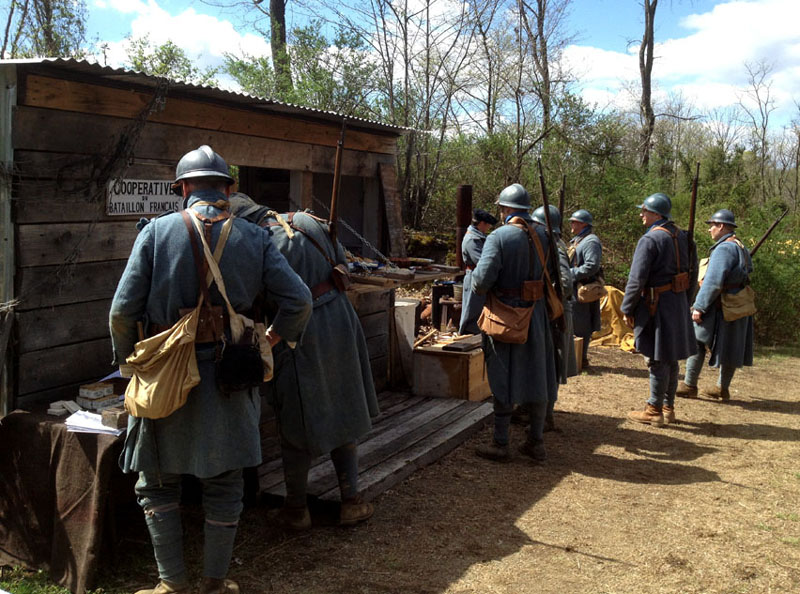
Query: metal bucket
pixel 458 292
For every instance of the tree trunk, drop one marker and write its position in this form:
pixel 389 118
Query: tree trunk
pixel 280 56
pixel 646 70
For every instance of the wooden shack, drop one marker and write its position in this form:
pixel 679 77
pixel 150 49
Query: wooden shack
pixel 87 150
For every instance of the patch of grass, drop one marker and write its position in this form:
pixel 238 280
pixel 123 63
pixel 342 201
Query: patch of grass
pixel 765 527
pixel 791 540
pixel 778 352
pixel 791 517
pixel 22 581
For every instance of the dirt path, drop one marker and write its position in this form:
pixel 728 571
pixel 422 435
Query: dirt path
pixel 709 505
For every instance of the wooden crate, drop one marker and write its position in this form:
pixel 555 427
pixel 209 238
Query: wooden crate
pixel 450 374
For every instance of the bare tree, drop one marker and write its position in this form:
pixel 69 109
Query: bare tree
pixel 44 28
pixel 648 116
pixel 724 123
pixel 757 104
pixel 270 22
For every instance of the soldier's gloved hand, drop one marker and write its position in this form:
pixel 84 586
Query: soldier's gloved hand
pixel 697 315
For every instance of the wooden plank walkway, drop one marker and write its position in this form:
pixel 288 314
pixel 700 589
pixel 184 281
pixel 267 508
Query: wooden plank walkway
pixel 410 432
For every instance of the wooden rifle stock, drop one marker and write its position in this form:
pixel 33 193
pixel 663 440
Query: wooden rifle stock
pixel 562 199
pixel 693 203
pixel 690 231
pixel 552 249
pixel 337 179
pixel 764 237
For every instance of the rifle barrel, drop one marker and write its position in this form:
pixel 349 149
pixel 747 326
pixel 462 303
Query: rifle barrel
pixel 766 234
pixel 337 179
pixel 550 236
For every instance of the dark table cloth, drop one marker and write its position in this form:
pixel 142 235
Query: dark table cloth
pixel 57 491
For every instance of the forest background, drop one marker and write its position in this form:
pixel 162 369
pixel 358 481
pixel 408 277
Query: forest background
pixel 483 91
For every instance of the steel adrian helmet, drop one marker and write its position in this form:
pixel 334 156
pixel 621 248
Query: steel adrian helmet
pixel 658 203
pixel 722 216
pixel 514 196
pixel 582 216
pixel 555 217
pixel 201 162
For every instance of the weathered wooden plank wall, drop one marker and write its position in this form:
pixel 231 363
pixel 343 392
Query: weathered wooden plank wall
pixel 70 254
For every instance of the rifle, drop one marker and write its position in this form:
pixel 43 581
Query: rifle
pixel 690 231
pixel 764 237
pixel 337 180
pixel 553 253
pixel 561 199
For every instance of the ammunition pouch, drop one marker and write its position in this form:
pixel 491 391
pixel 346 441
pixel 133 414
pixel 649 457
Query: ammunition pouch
pixel 680 282
pixel 340 277
pixel 239 366
pixel 210 325
pixel 531 290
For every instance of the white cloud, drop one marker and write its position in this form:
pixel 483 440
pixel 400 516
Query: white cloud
pixel 708 65
pixel 205 39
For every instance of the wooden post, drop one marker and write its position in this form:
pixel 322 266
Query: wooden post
pixel 8 101
pixel 463 218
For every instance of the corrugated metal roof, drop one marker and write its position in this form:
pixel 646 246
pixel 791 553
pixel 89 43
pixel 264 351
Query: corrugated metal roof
pixel 122 75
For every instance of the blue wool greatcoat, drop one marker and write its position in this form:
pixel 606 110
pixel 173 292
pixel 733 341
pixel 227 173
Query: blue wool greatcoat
pixel 518 373
pixel 731 343
pixel 586 264
pixel 471 302
pixel 323 392
pixel 212 433
pixel 667 336
pixel 567 362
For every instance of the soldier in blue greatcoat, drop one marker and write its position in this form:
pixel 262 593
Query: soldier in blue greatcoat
pixel 471 248
pixel 730 342
pixel 214 435
pixel 656 305
pixel 323 393
pixel 586 258
pixel 566 363
pixel 523 374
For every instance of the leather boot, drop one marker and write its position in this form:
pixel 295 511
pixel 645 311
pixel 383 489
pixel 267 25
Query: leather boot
pixel 218 586
pixel 520 416
pixel 550 423
pixel 719 393
pixel 686 391
pixel 354 511
pixel 493 451
pixel 535 450
pixel 649 416
pixel 294 518
pixel 165 587
pixel 669 414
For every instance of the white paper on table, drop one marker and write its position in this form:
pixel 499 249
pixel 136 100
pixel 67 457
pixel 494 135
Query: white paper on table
pixel 86 422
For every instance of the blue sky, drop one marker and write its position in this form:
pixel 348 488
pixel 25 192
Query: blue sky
pixel 702 45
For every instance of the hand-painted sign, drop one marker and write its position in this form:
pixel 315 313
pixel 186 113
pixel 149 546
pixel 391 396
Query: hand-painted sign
pixel 144 197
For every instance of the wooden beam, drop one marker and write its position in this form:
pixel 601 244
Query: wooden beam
pixel 42 245
pixel 49 368
pixel 67 95
pixel 97 137
pixel 8 103
pixel 66 324
pixel 301 189
pixel 50 286
pixel 394 209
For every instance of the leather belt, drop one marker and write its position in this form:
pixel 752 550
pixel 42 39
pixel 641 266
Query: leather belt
pixel 320 289
pixel 513 292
